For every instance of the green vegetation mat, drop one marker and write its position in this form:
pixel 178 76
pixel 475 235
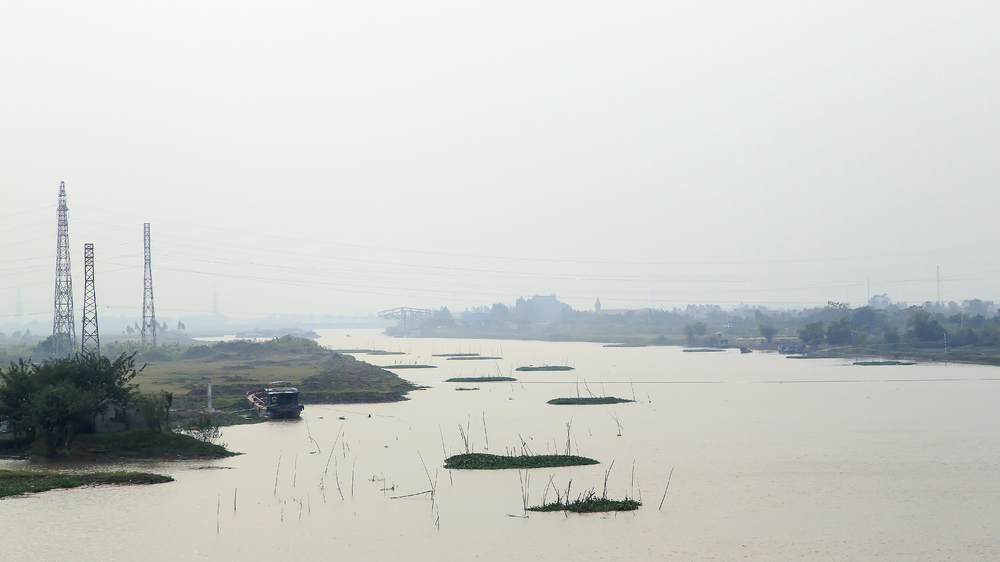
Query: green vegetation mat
pixel 17 482
pixel 146 444
pixel 485 461
pixel 481 379
pixel 472 358
pixel 701 350
pixel 590 505
pixel 877 363
pixel 589 401
pixel 546 368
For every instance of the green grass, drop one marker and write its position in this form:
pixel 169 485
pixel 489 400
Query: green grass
pixel 589 401
pixel 17 482
pixel 481 379
pixel 145 444
pixel 546 368
pixel 590 505
pixel 485 461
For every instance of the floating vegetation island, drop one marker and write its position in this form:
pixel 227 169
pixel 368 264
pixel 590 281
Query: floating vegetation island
pixel 481 379
pixel 702 350
pixel 590 504
pixel 405 366
pixel 545 368
pixel 17 482
pixel 486 461
pixel 455 355
pixel 589 401
pixel 879 363
pixel 476 357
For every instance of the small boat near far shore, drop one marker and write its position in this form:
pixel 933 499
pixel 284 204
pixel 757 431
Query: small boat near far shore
pixel 277 400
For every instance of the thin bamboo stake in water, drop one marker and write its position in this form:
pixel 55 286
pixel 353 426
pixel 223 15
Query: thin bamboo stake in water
pixel 276 470
pixel 352 475
pixel 665 489
pixel 485 432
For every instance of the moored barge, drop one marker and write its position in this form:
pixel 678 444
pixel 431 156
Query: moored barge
pixel 277 400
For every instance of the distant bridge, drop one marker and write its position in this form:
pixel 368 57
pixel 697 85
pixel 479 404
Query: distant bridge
pixel 403 314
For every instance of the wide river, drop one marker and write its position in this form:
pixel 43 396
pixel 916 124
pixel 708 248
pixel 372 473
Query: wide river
pixel 771 459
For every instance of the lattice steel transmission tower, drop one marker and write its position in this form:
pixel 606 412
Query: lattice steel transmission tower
pixel 63 324
pixel 148 314
pixel 91 340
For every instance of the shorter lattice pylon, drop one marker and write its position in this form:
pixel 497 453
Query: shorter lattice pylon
pixel 91 338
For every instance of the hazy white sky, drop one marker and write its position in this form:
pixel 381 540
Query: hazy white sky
pixel 347 157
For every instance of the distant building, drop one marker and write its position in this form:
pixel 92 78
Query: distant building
pixel 597 306
pixel 112 416
pixel 540 309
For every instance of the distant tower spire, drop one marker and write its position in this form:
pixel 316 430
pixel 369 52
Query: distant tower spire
pixel 597 307
pixel 63 324
pixel 148 314
pixel 91 341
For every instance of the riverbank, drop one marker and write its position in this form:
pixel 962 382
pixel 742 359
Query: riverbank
pixel 972 355
pixel 135 444
pixel 904 354
pixel 237 367
pixel 21 482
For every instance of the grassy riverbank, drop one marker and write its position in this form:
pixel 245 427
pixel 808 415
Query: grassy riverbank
pixel 135 444
pixel 18 482
pixel 237 367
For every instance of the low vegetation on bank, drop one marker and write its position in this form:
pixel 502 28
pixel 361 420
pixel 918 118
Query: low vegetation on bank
pixel 237 367
pixel 486 461
pixel 148 444
pixel 18 482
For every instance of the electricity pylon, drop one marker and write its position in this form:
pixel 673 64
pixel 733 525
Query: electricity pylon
pixel 63 324
pixel 148 313
pixel 91 340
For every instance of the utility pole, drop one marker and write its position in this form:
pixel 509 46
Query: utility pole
pixel 939 284
pixel 63 324
pixel 91 340
pixel 148 314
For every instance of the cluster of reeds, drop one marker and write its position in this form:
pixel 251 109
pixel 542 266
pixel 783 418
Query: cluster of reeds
pixel 585 502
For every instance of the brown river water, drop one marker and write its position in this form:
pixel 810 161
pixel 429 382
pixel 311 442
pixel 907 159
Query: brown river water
pixel 772 459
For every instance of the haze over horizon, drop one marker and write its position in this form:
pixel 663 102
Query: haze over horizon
pixel 348 158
